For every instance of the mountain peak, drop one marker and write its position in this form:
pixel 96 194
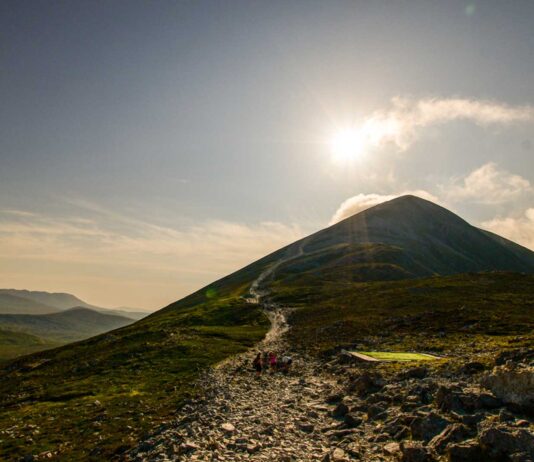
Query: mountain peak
pixel 410 237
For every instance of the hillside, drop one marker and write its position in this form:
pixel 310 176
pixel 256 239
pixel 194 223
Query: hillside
pixel 356 281
pixel 13 344
pixel 12 304
pixel 69 325
pixel 61 301
pixel 403 238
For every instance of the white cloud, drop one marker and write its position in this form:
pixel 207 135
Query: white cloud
pixel 520 229
pixel 360 202
pixel 488 185
pixel 400 124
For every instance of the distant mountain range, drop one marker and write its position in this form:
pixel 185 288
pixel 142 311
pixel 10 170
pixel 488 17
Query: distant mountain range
pixel 15 301
pixel 19 305
pixel 34 320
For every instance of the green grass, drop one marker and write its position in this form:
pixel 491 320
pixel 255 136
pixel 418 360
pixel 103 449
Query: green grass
pixel 13 344
pixel 397 356
pixel 456 317
pixel 92 399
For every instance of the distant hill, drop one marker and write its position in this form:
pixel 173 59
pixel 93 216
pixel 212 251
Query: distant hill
pixel 73 324
pixel 11 304
pixel 54 301
pixel 58 300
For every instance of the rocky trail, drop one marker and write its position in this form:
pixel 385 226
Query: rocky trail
pixel 341 411
pixel 245 417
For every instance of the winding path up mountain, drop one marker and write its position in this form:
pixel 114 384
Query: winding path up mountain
pixel 244 417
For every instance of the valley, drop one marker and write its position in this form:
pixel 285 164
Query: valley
pixel 32 321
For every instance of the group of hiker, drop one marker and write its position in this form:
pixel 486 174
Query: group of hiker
pixel 269 361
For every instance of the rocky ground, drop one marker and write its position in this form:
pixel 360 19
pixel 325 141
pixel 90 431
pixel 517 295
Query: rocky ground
pixel 339 410
pixel 335 409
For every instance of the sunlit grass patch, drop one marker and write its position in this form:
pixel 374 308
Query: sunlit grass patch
pixel 397 356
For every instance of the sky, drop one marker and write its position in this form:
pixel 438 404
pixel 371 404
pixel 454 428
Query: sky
pixel 149 148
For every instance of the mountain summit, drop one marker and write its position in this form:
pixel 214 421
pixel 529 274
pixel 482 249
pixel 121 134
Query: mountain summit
pixel 404 238
pixel 418 238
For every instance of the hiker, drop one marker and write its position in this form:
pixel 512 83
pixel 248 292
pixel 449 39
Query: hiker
pixel 265 361
pixel 285 364
pixel 257 364
pixel 272 362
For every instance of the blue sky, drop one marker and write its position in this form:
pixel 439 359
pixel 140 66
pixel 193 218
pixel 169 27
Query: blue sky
pixel 148 148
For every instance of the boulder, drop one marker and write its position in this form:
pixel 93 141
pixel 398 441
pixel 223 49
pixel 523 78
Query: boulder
pixel 414 373
pixel 427 426
pixel 306 427
pixel 376 411
pixel 467 451
pixel 335 398
pixel 512 383
pixel 412 451
pixel 450 399
pixel 340 410
pixel 366 384
pixel 351 420
pixel 524 355
pixel 447 399
pixel 499 441
pixel 228 427
pixel 472 367
pixel 337 455
pixel 392 449
pixel 453 433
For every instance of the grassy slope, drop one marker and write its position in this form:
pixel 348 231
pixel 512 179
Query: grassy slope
pixel 13 344
pixel 65 326
pixel 139 374
pixel 469 313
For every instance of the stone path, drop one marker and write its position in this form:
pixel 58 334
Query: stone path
pixel 274 417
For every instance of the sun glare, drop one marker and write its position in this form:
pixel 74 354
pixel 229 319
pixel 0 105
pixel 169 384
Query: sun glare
pixel 348 144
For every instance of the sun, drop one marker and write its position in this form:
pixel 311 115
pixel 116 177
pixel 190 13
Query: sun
pixel 348 144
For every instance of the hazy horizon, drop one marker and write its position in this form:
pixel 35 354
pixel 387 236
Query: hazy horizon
pixel 148 149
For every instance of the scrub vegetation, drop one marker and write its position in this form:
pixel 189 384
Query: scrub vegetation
pixel 95 398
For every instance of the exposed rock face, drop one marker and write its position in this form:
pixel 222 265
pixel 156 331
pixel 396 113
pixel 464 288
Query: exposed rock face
pixel 514 384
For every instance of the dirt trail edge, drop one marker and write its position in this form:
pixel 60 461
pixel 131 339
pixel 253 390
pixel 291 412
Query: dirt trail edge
pixel 243 417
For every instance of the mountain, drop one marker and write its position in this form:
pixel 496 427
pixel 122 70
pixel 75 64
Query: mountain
pixel 61 301
pixel 403 238
pixel 39 302
pixel 69 325
pixel 405 274
pixel 11 304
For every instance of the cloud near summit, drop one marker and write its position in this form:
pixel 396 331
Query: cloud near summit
pixel 361 202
